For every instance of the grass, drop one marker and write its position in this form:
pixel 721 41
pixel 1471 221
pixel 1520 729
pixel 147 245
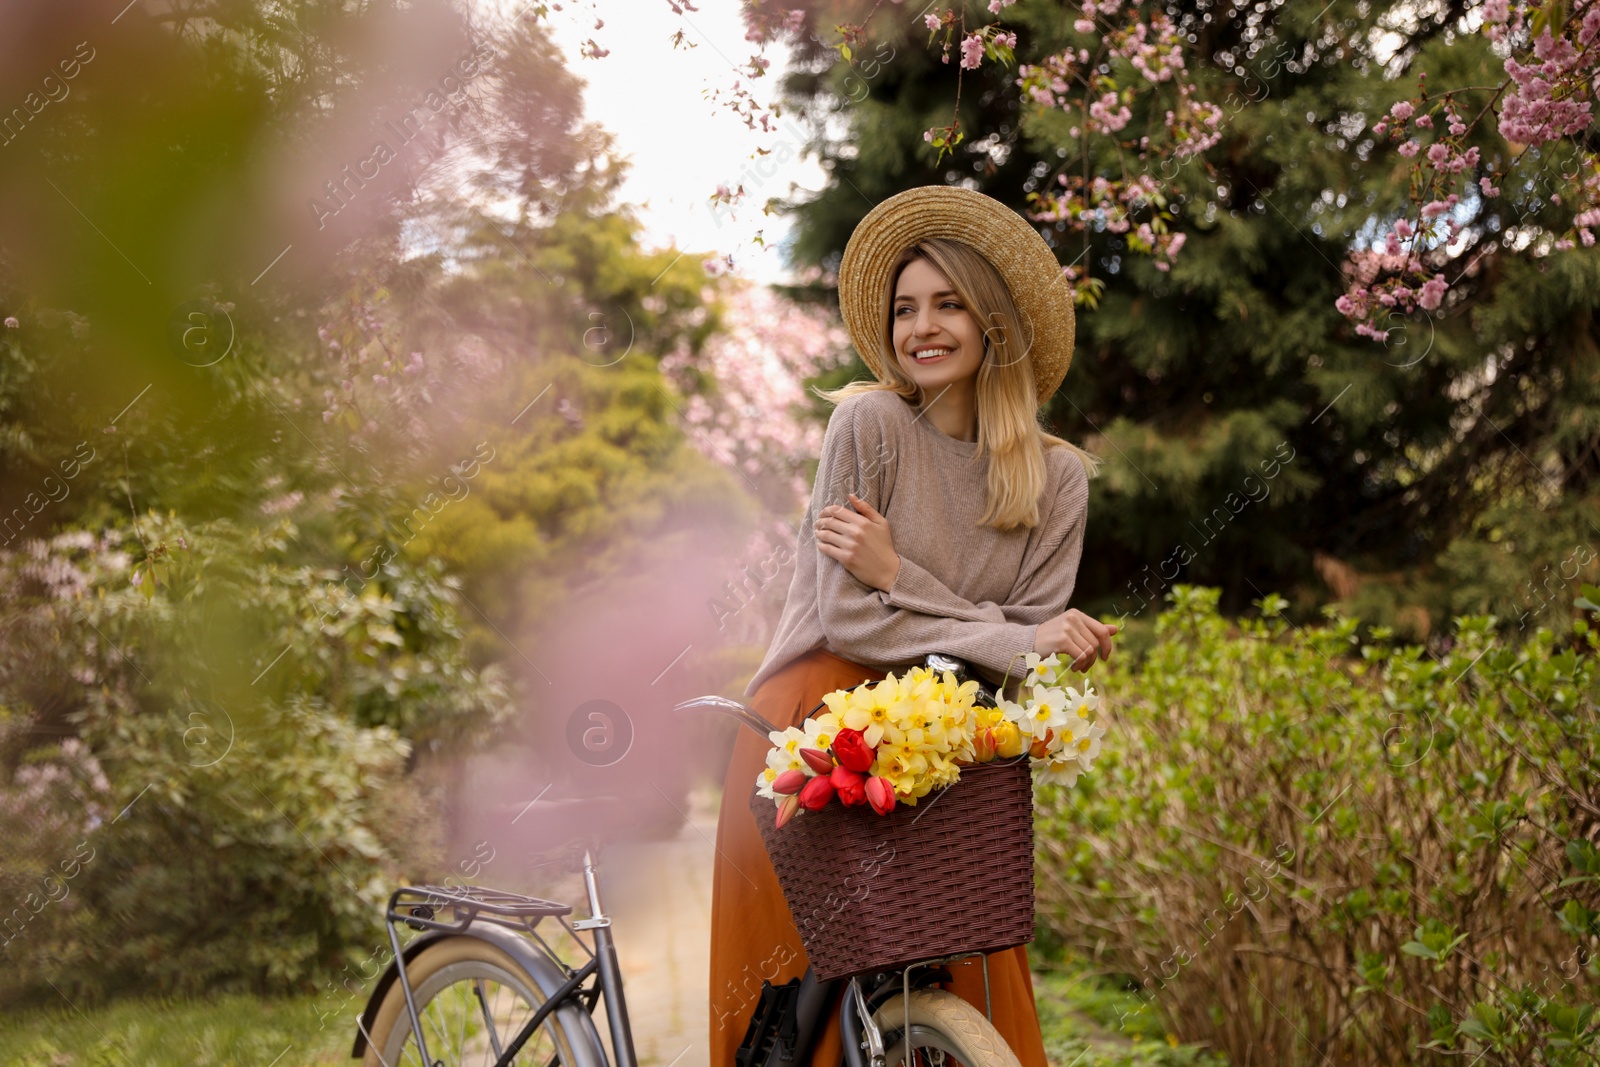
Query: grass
pixel 1089 1022
pixel 237 1031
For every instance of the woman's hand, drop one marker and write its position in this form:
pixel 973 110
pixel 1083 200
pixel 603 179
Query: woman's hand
pixel 860 540
pixel 1077 635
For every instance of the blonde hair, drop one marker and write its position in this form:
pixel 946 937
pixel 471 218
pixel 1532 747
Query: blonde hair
pixel 1010 429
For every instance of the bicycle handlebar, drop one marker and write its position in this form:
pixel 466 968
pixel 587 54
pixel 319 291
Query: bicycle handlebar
pixel 747 715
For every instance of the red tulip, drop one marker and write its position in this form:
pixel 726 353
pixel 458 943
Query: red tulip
pixel 850 785
pixel 787 809
pixel 1041 745
pixel 789 782
pixel 818 760
pixel 816 793
pixel 851 749
pixel 880 794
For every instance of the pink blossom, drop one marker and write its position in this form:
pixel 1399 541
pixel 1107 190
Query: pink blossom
pixel 933 23
pixel 12 323
pixel 1425 120
pixel 1531 113
pixel 1410 148
pixel 1402 110
pixel 1083 26
pixel 971 51
pixel 1432 292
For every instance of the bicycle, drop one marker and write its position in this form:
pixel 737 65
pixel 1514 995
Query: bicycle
pixel 484 986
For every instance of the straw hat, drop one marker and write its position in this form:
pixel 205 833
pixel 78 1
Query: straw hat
pixel 1005 239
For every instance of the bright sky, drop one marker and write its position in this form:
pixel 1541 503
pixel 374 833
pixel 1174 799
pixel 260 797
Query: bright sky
pixel 652 98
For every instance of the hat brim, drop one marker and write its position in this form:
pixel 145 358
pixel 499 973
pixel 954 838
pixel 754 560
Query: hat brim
pixel 1001 235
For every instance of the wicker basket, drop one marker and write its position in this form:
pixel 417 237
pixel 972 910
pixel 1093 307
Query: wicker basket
pixel 872 892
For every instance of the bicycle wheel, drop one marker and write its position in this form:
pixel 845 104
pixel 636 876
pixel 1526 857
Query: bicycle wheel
pixel 945 1031
pixel 472 1000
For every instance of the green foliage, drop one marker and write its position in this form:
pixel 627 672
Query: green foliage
pixel 1301 843
pixel 233 731
pixel 1088 1022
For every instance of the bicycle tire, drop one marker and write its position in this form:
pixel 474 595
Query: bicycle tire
pixel 443 982
pixel 940 1021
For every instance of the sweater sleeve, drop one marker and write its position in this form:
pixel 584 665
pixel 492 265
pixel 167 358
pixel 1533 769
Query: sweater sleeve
pixel 856 622
pixel 1044 586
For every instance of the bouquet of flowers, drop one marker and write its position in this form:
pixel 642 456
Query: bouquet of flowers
pixel 898 739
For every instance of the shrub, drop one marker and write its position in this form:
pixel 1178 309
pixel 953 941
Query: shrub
pixel 205 735
pixel 1302 845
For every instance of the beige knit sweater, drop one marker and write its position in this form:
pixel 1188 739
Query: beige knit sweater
pixel 963 589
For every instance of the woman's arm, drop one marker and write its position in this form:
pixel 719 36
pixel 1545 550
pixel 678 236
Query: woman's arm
pixel 857 622
pixel 864 546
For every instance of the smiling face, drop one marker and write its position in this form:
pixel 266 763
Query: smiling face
pixel 937 342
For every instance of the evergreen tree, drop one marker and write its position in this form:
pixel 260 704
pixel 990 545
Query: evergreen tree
pixel 1254 440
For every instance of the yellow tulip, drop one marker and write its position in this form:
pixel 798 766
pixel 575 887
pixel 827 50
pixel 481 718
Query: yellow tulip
pixel 1008 741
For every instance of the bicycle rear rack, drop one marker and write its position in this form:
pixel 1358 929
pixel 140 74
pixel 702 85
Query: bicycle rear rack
pixel 419 905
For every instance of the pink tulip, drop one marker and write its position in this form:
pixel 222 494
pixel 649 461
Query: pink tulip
pixel 880 794
pixel 789 782
pixel 787 808
pixel 817 759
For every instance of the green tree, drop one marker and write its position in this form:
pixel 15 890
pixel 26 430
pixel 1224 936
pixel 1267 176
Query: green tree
pixel 1254 440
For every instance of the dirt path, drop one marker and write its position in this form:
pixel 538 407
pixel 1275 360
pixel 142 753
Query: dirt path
pixel 659 896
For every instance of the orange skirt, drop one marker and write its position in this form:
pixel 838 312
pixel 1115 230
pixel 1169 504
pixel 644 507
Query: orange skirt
pixel 753 936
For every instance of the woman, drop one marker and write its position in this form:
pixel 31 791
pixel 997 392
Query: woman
pixel 957 306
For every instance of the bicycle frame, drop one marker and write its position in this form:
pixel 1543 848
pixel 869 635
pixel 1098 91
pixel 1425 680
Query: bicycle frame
pixel 602 964
pixel 862 1041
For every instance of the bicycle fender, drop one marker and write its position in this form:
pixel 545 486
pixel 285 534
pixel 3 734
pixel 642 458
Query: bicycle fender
pixel 579 1025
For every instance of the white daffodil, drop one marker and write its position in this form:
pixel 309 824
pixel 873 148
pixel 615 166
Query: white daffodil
pixel 1059 769
pixel 821 730
pixel 1083 704
pixel 1010 709
pixel 764 782
pixel 1041 669
pixel 1087 745
pixel 785 751
pixel 1046 709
